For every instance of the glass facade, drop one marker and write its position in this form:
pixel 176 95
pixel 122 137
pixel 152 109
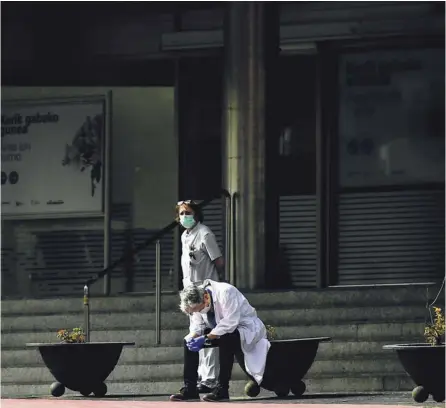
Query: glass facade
pixel 391 117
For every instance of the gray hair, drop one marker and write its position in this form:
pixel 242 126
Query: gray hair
pixel 191 295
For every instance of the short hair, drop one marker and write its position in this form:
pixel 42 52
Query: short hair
pixel 194 207
pixel 191 295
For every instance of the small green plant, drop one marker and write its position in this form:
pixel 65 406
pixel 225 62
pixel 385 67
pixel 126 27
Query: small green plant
pixel 76 335
pixel 435 331
pixel 271 332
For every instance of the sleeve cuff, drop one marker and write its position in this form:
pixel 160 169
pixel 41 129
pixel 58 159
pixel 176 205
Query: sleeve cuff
pixel 218 332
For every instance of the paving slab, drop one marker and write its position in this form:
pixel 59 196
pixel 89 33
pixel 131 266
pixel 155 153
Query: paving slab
pixel 323 400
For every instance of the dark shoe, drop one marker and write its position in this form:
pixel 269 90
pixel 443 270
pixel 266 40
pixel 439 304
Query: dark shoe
pixel 185 394
pixel 204 389
pixel 219 394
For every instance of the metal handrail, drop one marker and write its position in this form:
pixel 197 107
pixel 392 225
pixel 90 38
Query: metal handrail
pixel 158 235
pixel 130 254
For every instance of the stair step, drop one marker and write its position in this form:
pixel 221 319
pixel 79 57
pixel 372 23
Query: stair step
pixel 139 355
pixel 394 332
pixel 169 372
pixel 176 320
pixel 399 295
pixel 367 383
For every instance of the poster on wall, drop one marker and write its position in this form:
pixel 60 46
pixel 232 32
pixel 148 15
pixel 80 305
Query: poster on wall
pixel 53 157
pixel 391 119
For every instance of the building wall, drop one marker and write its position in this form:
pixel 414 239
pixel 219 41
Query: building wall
pixel 325 30
pixel 65 253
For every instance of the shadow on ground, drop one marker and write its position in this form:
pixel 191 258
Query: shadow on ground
pixel 242 398
pixel 314 396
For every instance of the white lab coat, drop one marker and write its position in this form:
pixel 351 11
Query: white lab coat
pixel 232 311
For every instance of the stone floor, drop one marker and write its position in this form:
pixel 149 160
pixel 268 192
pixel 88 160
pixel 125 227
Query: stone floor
pixel 350 400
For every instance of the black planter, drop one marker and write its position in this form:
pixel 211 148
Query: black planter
pixel 80 367
pixel 425 365
pixel 286 364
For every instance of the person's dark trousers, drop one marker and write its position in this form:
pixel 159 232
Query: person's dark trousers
pixel 191 363
pixel 190 369
pixel 230 346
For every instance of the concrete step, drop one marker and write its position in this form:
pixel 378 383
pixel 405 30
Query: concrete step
pixel 173 372
pixel 368 383
pixel 398 295
pixel 392 332
pixel 360 321
pixel 176 320
pixel 345 350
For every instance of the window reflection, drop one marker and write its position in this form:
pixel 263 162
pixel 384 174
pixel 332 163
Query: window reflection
pixel 297 141
pixel 391 120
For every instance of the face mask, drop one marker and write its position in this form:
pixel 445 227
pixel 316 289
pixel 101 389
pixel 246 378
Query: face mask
pixel 205 309
pixel 187 221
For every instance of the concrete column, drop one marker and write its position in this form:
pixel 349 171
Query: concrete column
pixel 244 138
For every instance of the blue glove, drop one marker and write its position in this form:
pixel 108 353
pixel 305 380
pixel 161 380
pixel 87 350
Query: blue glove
pixel 189 343
pixel 196 344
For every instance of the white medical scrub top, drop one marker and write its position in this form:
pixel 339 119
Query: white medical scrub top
pixel 200 242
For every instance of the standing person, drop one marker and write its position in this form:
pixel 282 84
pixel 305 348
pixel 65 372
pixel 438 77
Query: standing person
pixel 239 331
pixel 201 259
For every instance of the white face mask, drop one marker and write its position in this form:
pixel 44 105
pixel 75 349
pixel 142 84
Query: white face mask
pixel 187 221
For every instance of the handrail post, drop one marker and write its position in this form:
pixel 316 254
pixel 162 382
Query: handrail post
pixel 107 253
pixel 108 194
pixel 158 291
pixel 87 313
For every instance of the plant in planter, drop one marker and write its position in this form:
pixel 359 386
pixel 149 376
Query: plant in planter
pixel 78 364
pixel 271 332
pixel 425 362
pixel 77 335
pixel 287 363
pixel 434 332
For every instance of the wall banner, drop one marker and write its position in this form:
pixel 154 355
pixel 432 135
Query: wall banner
pixel 53 157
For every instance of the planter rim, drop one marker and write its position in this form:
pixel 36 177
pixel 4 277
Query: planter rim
pixel 319 339
pixel 96 343
pixel 412 346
